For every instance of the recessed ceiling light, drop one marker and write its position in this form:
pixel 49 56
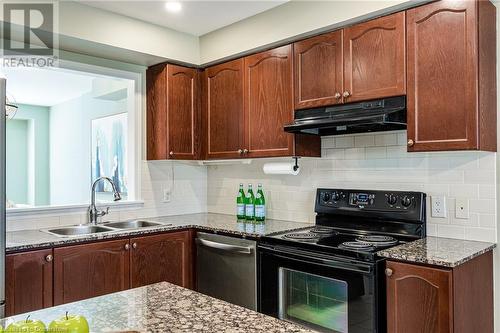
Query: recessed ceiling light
pixel 173 6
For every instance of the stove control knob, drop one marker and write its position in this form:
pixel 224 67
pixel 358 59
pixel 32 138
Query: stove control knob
pixel 326 197
pixel 335 196
pixel 392 199
pixel 406 201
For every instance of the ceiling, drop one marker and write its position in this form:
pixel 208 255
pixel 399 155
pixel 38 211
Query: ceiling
pixel 45 87
pixel 196 17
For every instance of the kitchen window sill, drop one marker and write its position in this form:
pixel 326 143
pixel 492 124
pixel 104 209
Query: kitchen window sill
pixel 69 209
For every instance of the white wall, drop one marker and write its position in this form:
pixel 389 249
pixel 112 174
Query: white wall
pixel 283 22
pixel 70 146
pixel 372 161
pixel 87 23
pixel 66 158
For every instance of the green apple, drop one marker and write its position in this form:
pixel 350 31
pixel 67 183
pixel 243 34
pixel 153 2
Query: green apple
pixel 69 324
pixel 26 326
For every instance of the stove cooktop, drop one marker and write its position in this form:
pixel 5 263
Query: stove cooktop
pixel 330 238
pixel 358 223
pixel 333 242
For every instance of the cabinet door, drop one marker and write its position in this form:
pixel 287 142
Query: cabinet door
pixel 166 257
pixel 442 71
pixel 223 95
pixel 318 71
pixel 182 112
pixel 419 299
pixel 156 115
pixel 374 59
pixel 28 281
pixel 89 270
pixel 269 102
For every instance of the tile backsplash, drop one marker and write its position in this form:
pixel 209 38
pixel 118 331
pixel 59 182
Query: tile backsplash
pixel 364 161
pixel 372 161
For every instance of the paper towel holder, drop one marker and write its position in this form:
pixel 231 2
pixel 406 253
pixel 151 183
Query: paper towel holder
pixel 296 166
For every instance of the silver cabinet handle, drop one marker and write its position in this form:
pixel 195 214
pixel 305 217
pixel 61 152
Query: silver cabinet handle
pixel 346 94
pixel 337 95
pixel 224 247
pixel 171 153
pixel 410 143
pixel 49 258
pixel 240 151
pixel 245 151
pixel 388 272
pixel 134 245
pixel 127 246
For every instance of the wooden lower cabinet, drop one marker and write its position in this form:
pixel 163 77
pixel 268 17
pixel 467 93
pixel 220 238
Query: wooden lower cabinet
pixel 164 257
pixel 28 281
pixel 89 270
pixel 40 279
pixel 425 299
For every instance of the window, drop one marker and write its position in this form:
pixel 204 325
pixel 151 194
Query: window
pixel 72 126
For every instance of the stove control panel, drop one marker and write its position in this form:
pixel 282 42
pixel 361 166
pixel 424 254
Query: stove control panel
pixel 362 200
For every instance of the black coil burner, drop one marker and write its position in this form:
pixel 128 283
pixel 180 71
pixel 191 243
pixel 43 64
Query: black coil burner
pixel 302 236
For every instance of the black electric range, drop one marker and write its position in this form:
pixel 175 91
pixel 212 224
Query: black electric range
pixel 328 277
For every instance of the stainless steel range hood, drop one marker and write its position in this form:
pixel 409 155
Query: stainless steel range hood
pixel 371 116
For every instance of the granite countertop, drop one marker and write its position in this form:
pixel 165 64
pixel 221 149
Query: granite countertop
pixel 438 251
pixel 25 240
pixel 163 307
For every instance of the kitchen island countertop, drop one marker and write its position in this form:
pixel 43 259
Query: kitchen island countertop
pixel 26 240
pixel 163 307
pixel 438 251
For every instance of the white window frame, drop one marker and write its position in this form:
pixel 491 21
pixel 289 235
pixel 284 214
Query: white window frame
pixel 135 145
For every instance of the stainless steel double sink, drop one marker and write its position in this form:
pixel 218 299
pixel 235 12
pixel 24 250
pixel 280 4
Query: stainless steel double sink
pixel 82 230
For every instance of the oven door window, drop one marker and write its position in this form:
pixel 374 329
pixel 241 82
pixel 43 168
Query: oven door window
pixel 316 301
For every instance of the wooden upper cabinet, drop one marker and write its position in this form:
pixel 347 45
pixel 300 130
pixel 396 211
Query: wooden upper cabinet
pixel 182 111
pixel 374 59
pixel 223 94
pixel 318 71
pixel 28 281
pixel 419 299
pixel 269 103
pixel 156 114
pixel 89 270
pixel 165 257
pixel 452 76
pixel 173 112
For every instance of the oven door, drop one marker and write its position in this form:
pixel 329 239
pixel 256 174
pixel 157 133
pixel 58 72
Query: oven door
pixel 324 293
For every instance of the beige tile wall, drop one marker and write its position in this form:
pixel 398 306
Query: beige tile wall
pixel 372 161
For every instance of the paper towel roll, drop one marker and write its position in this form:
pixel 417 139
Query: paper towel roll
pixel 280 169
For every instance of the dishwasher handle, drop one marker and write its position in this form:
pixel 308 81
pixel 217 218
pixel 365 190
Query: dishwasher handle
pixel 224 247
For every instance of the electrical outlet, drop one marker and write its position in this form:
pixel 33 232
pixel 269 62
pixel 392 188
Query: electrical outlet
pixel 461 208
pixel 166 194
pixel 438 206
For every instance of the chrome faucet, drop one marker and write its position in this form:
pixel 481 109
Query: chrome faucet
pixel 94 213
